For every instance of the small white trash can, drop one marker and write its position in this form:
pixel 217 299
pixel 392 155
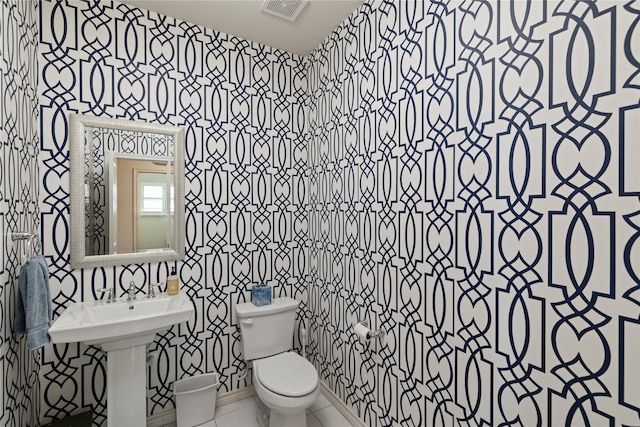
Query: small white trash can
pixel 195 399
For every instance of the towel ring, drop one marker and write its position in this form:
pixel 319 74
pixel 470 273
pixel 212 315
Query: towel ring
pixel 20 236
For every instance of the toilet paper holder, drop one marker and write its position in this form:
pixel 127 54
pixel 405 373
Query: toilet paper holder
pixel 379 334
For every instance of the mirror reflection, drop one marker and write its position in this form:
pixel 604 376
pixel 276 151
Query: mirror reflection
pixel 127 191
pixel 145 201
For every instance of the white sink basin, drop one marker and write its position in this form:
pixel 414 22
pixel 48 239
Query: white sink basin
pixel 127 310
pixel 98 322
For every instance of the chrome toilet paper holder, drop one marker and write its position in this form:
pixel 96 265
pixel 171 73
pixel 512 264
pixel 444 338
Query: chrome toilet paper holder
pixel 379 334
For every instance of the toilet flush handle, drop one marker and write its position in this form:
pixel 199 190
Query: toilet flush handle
pixel 247 322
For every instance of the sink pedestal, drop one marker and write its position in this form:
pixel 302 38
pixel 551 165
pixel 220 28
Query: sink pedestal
pixel 126 382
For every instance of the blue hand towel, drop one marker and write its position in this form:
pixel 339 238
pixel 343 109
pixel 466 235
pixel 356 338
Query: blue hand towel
pixel 33 306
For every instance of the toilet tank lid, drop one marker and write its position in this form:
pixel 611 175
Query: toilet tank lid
pixel 277 305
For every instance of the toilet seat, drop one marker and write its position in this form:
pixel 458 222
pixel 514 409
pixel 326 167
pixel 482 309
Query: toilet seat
pixel 286 374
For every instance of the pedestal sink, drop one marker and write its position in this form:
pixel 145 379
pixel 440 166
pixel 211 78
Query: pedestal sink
pixel 123 329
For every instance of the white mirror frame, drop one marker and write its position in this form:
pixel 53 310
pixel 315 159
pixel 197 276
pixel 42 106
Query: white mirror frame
pixel 79 258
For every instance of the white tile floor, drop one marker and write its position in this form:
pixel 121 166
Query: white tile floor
pixel 245 414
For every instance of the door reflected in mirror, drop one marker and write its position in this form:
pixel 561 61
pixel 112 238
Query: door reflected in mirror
pixel 142 203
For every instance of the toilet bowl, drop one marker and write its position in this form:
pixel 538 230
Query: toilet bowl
pixel 287 384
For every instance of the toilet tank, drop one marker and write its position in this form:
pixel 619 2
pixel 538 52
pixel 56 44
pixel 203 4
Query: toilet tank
pixel 266 330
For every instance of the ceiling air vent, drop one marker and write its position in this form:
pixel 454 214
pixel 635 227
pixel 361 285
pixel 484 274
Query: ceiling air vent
pixel 286 9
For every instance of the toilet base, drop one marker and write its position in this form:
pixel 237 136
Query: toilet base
pixel 277 419
pixel 269 418
pixel 263 413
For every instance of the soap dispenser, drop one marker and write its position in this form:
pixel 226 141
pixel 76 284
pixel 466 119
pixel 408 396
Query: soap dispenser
pixel 173 284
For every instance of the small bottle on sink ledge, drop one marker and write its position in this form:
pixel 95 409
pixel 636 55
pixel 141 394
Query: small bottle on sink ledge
pixel 173 284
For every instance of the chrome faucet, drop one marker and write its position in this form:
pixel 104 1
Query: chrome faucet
pixel 111 294
pixel 132 292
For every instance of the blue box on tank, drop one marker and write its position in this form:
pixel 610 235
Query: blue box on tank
pixel 260 295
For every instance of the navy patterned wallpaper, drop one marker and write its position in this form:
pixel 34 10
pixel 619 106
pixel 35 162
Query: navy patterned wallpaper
pixel 473 189
pixel 240 104
pixel 463 174
pixel 19 210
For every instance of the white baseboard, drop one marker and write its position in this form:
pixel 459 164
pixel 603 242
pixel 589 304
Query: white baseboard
pixel 162 418
pixel 233 396
pixel 222 399
pixel 342 407
pixel 226 398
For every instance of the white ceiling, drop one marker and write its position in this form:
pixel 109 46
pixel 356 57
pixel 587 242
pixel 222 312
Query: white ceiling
pixel 243 18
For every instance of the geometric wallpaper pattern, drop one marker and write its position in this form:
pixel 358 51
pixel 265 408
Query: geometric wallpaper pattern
pixel 463 174
pixel 19 208
pixel 240 104
pixel 474 189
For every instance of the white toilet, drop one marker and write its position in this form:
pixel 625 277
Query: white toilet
pixel 285 381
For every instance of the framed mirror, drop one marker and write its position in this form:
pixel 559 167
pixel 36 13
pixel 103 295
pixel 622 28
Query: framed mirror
pixel 127 192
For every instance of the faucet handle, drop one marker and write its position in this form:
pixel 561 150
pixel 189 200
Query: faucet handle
pixel 152 286
pixel 132 291
pixel 110 297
